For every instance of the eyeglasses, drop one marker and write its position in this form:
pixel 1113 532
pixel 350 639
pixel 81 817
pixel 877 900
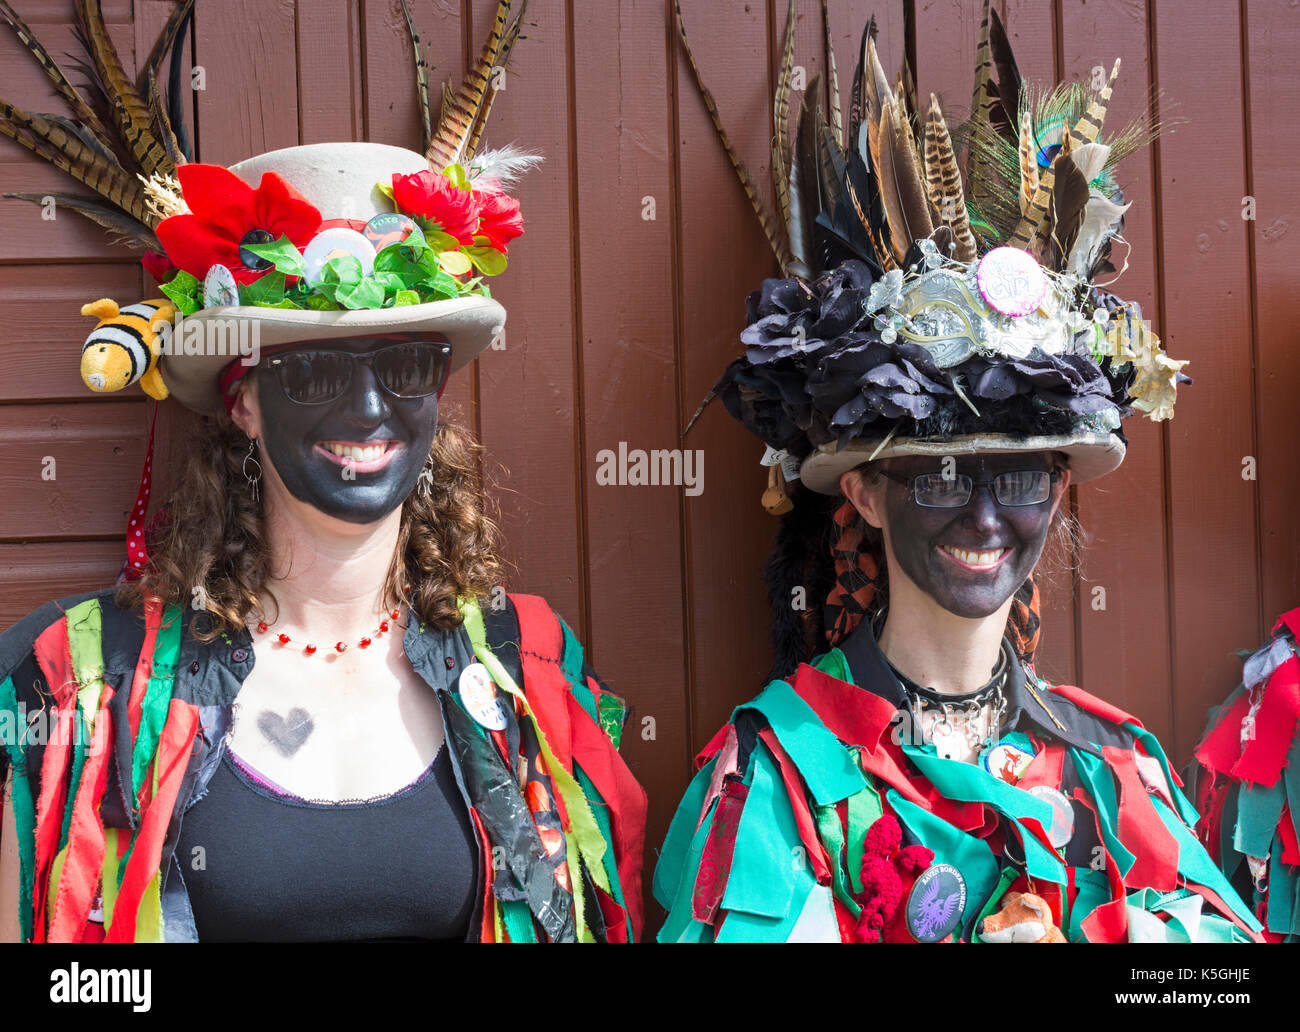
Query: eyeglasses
pixel 407 369
pixel 1013 488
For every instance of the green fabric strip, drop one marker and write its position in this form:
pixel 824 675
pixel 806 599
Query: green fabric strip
pixel 1009 874
pixel 1259 807
pixel 825 764
pixel 85 633
pixel 157 698
pixel 831 834
pixel 1186 920
pixel 1100 785
pixel 951 845
pixel 600 811
pixel 1195 865
pixel 24 808
pixel 672 866
pixel 969 782
pixel 572 666
pixel 1092 889
pixel 1282 903
pixel 768 853
pixel 682 851
pixel 864 811
pixel 518 920
pixel 836 665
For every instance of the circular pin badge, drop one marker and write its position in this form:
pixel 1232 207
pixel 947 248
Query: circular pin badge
pixel 388 228
pixel 334 243
pixel 1062 828
pixel 1011 281
pixel 479 696
pixel 936 903
pixel 219 288
pixel 1007 762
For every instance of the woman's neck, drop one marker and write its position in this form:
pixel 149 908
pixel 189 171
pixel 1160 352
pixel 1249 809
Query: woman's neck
pixel 328 576
pixel 951 654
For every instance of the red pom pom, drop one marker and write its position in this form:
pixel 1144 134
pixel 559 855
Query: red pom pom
pixel 883 837
pixel 915 858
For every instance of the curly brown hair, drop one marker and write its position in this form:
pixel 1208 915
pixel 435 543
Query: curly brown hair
pixel 211 550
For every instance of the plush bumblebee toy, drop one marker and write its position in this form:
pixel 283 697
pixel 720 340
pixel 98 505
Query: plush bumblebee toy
pixel 125 347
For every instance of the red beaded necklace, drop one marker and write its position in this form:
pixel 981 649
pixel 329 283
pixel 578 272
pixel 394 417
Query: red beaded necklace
pixel 308 649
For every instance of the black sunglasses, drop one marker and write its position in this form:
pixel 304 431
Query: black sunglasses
pixel 952 491
pixel 407 369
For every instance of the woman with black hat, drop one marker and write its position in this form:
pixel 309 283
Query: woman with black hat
pixel 936 371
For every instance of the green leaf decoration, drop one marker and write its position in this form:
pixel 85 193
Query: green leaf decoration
pixel 321 303
pixel 405 297
pixel 185 292
pixel 281 253
pixel 455 262
pixel 456 173
pixel 385 187
pixel 267 290
pixel 488 260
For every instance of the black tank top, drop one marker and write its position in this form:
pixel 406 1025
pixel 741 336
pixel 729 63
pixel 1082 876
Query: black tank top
pixel 262 867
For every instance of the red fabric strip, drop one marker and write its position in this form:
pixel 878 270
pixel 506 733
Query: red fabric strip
pixel 1045 769
pixel 541 647
pixel 719 848
pixel 85 860
pixel 860 718
pixel 1213 898
pixel 1154 849
pixel 1097 707
pixel 1286 832
pixel 803 817
pixel 171 760
pixel 55 660
pixel 1109 921
pixel 624 797
pixel 1264 756
pixel 1220 748
pixel 153 614
pixel 487 926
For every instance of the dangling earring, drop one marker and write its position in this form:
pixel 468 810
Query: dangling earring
pixel 255 476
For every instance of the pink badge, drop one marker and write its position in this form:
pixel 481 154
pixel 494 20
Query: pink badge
pixel 1011 281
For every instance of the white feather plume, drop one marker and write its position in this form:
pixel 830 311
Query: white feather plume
pixel 500 169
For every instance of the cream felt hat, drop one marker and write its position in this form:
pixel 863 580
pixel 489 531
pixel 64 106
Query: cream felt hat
pixel 340 180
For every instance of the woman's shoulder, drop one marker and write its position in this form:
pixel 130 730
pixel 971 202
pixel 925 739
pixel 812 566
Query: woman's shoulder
pixel 546 659
pixel 94 612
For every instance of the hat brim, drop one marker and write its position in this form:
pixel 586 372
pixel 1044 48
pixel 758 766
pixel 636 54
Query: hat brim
pixel 1091 455
pixel 470 324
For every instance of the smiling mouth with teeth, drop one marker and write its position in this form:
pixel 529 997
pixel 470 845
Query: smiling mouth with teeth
pixel 363 458
pixel 984 560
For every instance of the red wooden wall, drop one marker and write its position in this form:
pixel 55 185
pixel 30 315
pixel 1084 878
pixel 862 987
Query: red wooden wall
pixel 626 296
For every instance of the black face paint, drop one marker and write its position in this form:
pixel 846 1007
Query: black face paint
pixel 923 539
pixel 302 441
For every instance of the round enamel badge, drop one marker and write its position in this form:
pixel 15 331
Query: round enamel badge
pixel 1062 829
pixel 479 696
pixel 1011 281
pixel 335 243
pixel 219 288
pixel 387 228
pixel 1008 759
pixel 936 902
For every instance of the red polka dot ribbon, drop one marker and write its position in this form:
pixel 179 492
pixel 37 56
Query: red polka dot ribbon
pixel 137 555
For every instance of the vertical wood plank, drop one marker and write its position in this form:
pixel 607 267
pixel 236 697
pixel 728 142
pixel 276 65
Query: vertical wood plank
pixel 528 390
pixel 330 57
pixel 1274 95
pixel 625 269
pixel 1206 318
pixel 724 255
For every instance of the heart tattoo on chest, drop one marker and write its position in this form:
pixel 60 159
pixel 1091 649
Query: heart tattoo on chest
pixel 285 733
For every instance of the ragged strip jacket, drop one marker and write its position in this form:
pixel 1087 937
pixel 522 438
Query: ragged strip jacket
pixel 1246 782
pixel 779 837
pixel 136 716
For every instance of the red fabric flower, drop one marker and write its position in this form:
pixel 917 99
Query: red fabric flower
pixel 223 210
pixel 158 266
pixel 884 864
pixel 438 199
pixel 501 220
